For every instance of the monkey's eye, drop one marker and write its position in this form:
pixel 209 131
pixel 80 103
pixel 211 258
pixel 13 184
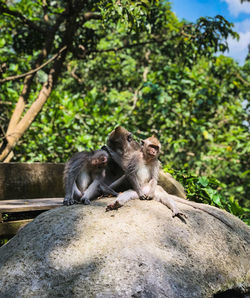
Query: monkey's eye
pixel 154 147
pixel 129 138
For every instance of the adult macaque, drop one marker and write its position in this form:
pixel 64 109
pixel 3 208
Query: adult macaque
pixel 118 138
pixel 142 170
pixel 83 174
pixel 88 174
pixel 143 167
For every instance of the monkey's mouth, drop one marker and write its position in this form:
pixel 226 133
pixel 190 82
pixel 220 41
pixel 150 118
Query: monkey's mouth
pixel 102 165
pixel 151 154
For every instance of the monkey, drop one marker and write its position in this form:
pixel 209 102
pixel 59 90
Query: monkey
pixel 144 166
pixel 85 179
pixel 115 140
pixel 143 169
pixel 120 144
pixel 83 173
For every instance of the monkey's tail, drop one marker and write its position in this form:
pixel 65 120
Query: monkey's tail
pixel 219 214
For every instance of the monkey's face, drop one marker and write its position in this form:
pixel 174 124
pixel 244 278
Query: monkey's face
pixel 151 148
pixel 100 161
pixel 152 151
pixel 120 140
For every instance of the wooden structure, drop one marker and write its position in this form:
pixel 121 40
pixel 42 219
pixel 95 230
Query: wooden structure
pixel 26 190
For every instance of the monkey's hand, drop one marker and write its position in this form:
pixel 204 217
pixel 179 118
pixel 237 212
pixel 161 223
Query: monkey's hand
pixel 151 195
pixel 68 201
pixel 113 206
pixel 105 190
pixel 145 196
pixel 108 150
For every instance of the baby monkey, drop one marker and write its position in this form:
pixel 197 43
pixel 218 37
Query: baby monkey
pixel 142 170
pixel 83 175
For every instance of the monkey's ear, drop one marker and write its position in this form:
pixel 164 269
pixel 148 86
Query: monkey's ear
pixel 142 143
pixel 118 128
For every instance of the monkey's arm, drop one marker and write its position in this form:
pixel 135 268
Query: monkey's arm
pixel 95 189
pixel 114 155
pixel 118 182
pixel 107 190
pixel 130 170
pixel 91 193
pixel 76 192
pixel 132 175
pixel 153 181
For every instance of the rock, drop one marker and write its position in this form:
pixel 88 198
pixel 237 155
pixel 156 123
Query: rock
pixel 137 251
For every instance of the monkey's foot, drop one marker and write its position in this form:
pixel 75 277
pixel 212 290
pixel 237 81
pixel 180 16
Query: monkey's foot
pixel 179 214
pixel 85 201
pixel 68 201
pixel 113 206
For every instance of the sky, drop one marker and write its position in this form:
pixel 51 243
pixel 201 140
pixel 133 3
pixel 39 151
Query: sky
pixel 231 10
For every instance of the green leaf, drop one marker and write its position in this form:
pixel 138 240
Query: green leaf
pixel 203 181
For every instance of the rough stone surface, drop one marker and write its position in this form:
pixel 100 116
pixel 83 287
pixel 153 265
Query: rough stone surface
pixel 137 251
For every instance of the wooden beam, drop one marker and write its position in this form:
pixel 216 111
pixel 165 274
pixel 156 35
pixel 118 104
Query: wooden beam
pixel 29 204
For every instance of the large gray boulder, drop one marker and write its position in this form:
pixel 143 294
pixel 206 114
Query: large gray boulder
pixel 137 251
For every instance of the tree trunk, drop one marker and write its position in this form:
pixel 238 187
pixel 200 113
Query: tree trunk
pixel 18 128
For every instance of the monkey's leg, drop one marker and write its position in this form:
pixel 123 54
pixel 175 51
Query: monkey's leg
pixel 91 193
pixel 163 197
pixel 70 188
pixel 122 199
pixel 76 192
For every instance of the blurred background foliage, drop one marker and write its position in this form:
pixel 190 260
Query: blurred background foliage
pixel 144 69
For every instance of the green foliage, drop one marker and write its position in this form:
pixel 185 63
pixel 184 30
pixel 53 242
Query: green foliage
pixel 3 241
pixel 209 190
pixel 140 67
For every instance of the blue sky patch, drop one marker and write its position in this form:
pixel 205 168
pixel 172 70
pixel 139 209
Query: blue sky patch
pixel 232 10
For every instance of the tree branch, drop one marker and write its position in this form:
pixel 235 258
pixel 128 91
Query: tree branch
pixel 17 113
pixel 15 133
pixel 241 79
pixel 4 9
pixel 12 78
pixel 92 16
pixel 128 46
pixel 45 11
